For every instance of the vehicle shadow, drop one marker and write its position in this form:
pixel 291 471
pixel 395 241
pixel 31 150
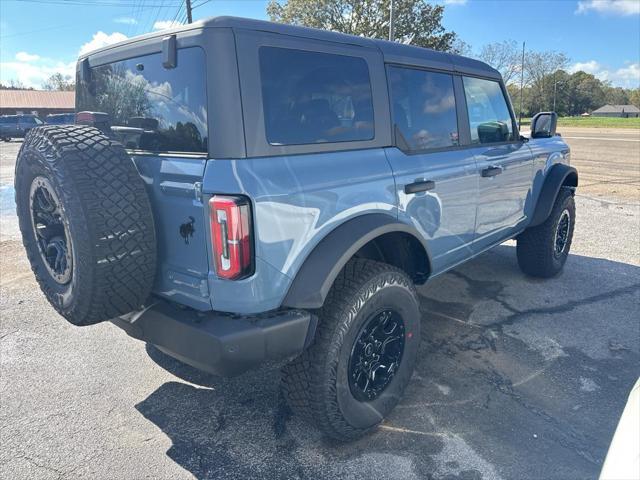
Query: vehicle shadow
pixel 517 378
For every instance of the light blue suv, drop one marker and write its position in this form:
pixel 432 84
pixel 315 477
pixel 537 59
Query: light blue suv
pixel 241 192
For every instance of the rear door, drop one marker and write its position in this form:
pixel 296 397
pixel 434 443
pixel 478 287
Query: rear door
pixel 436 176
pixel 27 123
pixel 504 162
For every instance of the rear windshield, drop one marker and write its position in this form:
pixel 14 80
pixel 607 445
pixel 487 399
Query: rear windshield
pixel 150 107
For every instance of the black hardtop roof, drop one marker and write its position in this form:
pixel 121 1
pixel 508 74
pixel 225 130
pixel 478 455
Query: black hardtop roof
pixel 393 52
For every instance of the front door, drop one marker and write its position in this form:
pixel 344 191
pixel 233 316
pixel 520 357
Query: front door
pixel 505 164
pixel 436 180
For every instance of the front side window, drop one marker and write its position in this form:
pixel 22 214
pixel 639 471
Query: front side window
pixel 312 97
pixel 489 116
pixel 150 107
pixel 423 105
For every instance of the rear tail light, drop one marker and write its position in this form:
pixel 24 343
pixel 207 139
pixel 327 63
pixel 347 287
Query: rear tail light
pixel 100 120
pixel 231 236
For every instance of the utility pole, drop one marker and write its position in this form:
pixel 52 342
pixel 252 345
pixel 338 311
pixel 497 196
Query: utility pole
pixel 521 86
pixel 391 22
pixel 189 17
pixel 554 91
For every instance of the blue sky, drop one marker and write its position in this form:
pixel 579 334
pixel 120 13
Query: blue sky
pixel 41 37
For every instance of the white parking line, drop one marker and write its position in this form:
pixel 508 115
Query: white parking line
pixel 604 138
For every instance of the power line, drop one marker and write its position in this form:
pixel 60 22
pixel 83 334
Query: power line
pixel 106 3
pixel 157 15
pixel 17 34
pixel 200 4
pixel 175 17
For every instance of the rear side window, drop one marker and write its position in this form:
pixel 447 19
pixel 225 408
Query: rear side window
pixel 423 105
pixel 312 97
pixel 489 116
pixel 27 120
pixel 150 107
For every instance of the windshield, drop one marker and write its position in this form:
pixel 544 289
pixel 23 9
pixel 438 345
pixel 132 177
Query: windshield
pixel 150 107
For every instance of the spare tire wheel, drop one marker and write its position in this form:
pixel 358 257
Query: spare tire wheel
pixel 86 222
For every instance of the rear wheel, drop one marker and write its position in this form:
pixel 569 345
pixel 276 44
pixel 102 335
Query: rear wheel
pixel 363 354
pixel 86 223
pixel 543 250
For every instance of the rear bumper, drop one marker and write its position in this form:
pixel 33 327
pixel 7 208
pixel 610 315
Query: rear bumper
pixel 220 343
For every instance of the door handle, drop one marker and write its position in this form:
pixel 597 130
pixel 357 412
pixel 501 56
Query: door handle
pixel 491 171
pixel 419 186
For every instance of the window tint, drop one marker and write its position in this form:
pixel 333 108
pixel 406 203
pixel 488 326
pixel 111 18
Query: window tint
pixel 489 116
pixel 311 97
pixel 424 108
pixel 150 107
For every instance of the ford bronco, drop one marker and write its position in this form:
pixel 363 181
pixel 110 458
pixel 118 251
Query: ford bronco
pixel 238 192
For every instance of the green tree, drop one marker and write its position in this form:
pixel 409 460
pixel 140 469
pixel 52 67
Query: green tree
pixel 615 95
pixel 505 57
pixel 634 97
pixel 14 85
pixel 585 93
pixel 57 81
pixel 416 22
pixel 539 68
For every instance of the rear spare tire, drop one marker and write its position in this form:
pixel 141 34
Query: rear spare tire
pixel 86 222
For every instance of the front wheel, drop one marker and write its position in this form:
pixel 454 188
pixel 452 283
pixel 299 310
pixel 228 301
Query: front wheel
pixel 543 250
pixel 363 354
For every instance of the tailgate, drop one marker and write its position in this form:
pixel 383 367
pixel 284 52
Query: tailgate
pixel 180 223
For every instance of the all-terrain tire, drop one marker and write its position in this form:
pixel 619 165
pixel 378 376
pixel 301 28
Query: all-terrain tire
pixel 103 206
pixel 316 384
pixel 536 252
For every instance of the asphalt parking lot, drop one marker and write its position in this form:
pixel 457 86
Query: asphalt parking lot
pixel 517 378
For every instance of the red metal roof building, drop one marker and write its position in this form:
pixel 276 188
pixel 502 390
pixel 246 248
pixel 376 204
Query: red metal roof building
pixel 38 102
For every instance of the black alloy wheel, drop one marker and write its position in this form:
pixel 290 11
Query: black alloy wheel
pixel 51 230
pixel 376 355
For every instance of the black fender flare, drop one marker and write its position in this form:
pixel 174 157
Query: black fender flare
pixel 559 175
pixel 321 267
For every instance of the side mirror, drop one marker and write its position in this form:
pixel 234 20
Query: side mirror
pixel 543 125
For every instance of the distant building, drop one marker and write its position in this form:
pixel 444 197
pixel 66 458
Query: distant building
pixel 37 102
pixel 624 111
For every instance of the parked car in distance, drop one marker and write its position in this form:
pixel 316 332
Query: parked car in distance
pixel 17 126
pixel 238 192
pixel 60 119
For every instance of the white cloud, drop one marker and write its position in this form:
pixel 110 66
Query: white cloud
pixel 618 7
pixel 33 74
pixel 627 77
pixel 455 2
pixel 126 20
pixel 101 39
pixel 592 67
pixel 33 70
pixel 164 24
pixel 26 57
